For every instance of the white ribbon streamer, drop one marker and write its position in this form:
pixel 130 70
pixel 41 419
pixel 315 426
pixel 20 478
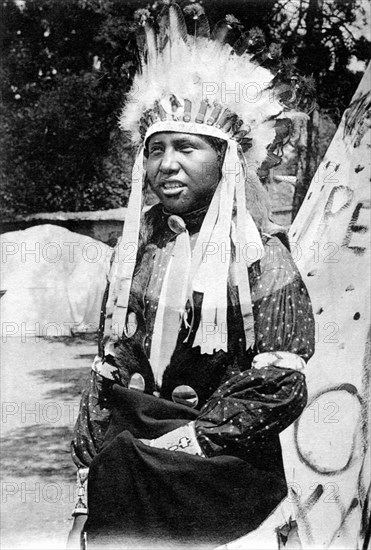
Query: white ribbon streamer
pixel 124 261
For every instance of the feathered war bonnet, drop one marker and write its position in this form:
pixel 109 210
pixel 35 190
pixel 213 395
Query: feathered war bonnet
pixel 197 85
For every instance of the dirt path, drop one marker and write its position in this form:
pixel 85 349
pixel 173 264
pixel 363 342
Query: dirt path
pixel 41 384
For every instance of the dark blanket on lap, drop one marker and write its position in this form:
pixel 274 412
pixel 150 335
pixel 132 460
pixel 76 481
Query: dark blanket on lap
pixel 144 497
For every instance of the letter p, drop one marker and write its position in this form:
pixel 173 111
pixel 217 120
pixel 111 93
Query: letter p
pixel 209 89
pixel 8 409
pixel 208 249
pixel 8 489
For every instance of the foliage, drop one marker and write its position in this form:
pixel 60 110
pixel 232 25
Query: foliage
pixel 68 64
pixel 67 69
pixel 320 34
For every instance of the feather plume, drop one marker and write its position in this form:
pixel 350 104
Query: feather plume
pixel 140 17
pixel 200 27
pixel 227 31
pixel 163 28
pixel 220 31
pixel 151 42
pixel 178 28
pixel 241 45
pixel 140 40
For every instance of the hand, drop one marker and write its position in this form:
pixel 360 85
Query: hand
pixel 74 536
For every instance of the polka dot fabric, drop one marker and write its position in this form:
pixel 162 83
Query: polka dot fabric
pixel 239 406
pixel 282 309
pixel 257 404
pixel 249 408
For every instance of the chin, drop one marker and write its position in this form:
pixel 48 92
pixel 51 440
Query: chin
pixel 178 207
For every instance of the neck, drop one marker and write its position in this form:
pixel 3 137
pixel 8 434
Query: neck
pixel 185 215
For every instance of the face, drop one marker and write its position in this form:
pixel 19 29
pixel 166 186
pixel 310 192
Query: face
pixel 183 170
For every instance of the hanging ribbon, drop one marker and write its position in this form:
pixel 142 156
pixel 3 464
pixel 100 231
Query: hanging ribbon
pixel 124 261
pixel 172 301
pixel 212 275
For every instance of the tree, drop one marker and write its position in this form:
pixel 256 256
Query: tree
pixel 321 35
pixel 67 68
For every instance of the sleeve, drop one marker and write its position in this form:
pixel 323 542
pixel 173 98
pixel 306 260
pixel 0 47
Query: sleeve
pixel 256 403
pixel 92 421
pixel 249 408
pixel 91 425
pixel 94 413
pixel 283 313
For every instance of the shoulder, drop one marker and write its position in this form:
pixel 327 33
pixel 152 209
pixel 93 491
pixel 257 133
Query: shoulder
pixel 277 255
pixel 276 271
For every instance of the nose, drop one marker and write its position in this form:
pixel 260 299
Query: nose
pixel 169 162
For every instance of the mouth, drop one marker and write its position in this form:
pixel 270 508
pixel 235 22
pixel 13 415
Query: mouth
pixel 172 188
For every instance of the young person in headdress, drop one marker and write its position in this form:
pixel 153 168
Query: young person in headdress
pixel 206 323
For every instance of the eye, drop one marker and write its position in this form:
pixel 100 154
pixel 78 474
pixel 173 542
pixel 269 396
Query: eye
pixel 155 150
pixel 186 148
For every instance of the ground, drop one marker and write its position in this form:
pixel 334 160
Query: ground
pixel 41 384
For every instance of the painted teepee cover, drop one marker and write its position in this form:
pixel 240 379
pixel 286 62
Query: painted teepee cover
pixel 327 451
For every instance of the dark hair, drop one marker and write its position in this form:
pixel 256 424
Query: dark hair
pixel 257 198
pixel 219 145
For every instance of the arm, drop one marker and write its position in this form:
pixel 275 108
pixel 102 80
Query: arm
pixel 94 413
pixel 95 408
pixel 92 421
pixel 258 403
pixel 91 425
pixel 249 408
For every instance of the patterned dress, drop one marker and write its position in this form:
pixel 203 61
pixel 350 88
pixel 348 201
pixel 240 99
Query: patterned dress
pixel 137 493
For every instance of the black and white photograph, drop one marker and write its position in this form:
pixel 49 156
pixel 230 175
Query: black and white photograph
pixel 185 274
